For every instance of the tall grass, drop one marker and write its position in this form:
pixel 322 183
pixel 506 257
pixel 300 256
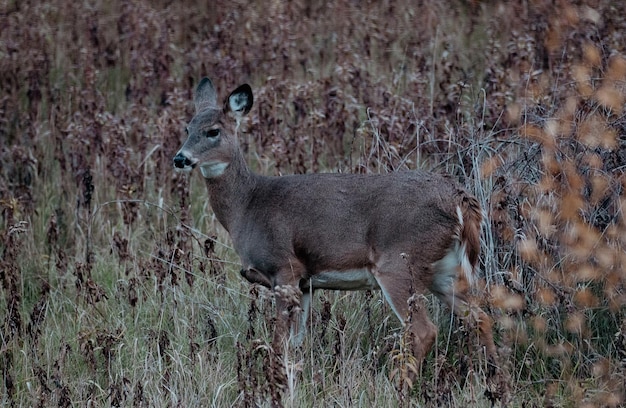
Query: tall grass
pixel 119 288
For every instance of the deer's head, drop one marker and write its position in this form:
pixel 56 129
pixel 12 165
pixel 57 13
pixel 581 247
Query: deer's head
pixel 211 132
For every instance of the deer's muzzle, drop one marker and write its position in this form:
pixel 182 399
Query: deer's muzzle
pixel 181 161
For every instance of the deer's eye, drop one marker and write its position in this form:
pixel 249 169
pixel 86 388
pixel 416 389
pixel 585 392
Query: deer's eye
pixel 213 133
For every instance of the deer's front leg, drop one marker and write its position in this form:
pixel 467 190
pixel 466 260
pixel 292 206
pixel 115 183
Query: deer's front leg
pixel 252 275
pixel 288 313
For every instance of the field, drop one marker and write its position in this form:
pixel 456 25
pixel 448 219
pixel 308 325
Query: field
pixel 118 287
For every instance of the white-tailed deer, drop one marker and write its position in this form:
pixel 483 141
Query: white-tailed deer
pixel 403 232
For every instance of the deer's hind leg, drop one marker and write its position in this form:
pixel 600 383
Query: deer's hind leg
pixel 477 318
pixel 398 286
pixel 453 292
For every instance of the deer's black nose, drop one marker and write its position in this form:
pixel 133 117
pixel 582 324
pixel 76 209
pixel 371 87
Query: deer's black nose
pixel 180 161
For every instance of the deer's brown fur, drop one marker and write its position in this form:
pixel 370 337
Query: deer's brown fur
pixel 402 232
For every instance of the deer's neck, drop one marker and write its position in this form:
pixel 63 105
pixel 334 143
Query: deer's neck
pixel 230 190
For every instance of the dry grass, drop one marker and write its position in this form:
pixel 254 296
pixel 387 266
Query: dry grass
pixel 118 288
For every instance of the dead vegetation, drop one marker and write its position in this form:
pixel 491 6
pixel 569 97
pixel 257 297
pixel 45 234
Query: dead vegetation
pixel 117 287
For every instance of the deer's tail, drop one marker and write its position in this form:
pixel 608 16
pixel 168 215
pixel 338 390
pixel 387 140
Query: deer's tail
pixel 470 218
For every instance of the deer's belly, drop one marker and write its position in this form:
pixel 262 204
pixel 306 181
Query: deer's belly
pixel 353 279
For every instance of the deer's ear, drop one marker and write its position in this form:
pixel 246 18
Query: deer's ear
pixel 240 100
pixel 205 97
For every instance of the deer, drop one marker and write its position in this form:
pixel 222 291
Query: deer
pixel 403 232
